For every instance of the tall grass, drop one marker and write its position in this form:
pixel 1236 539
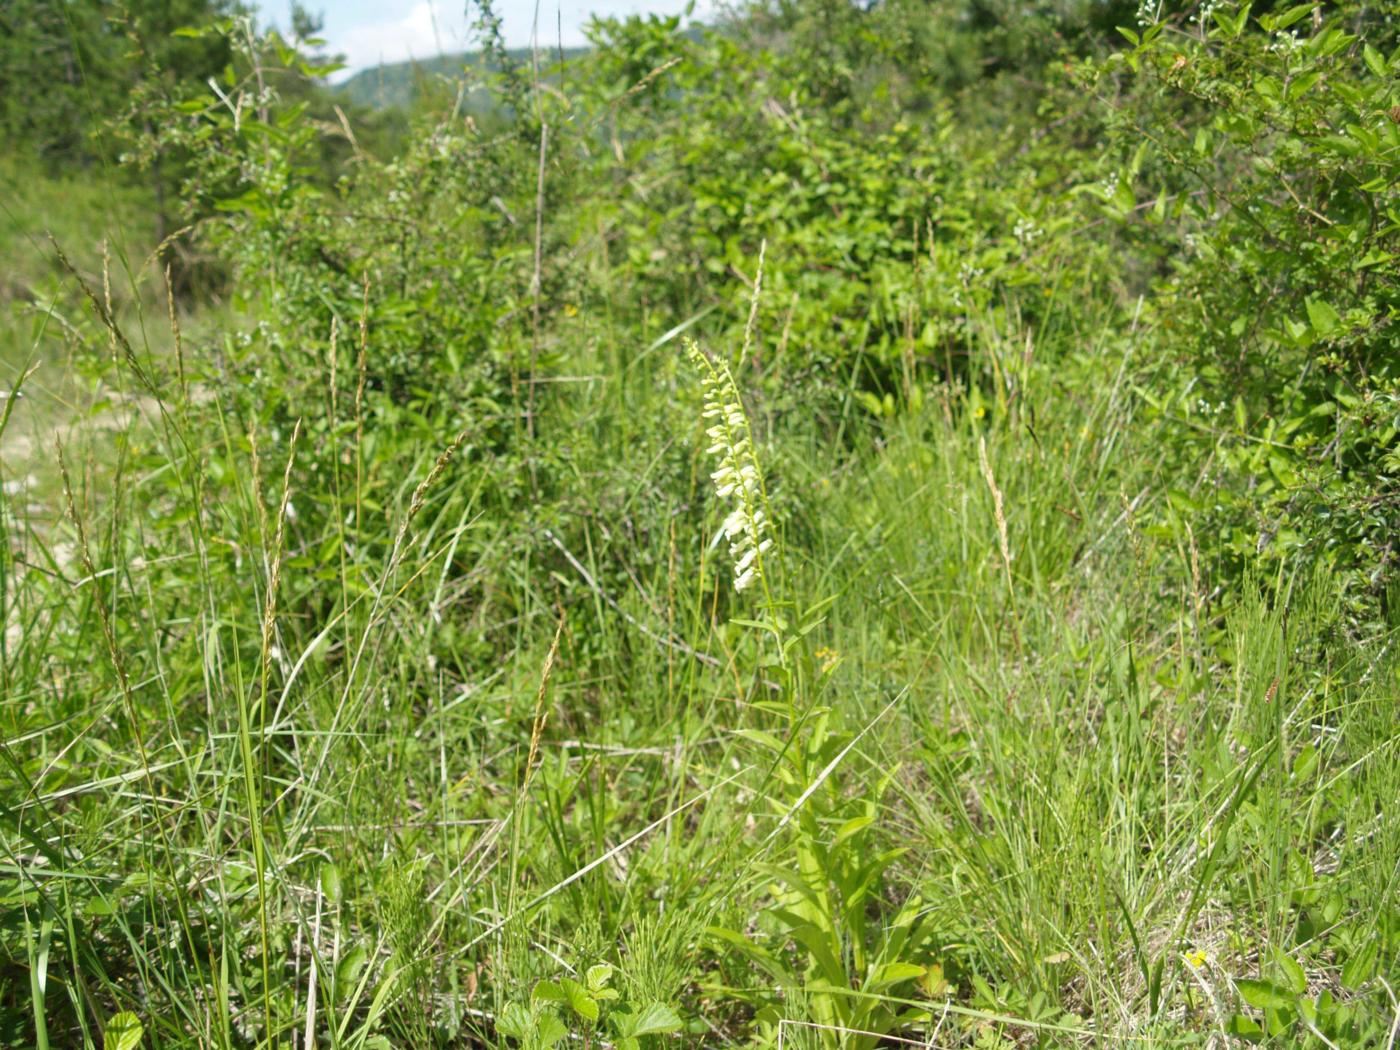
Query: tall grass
pixel 356 757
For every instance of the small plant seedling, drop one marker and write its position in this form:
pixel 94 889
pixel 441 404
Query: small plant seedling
pixel 592 1008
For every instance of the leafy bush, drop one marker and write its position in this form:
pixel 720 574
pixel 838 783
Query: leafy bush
pixel 1280 137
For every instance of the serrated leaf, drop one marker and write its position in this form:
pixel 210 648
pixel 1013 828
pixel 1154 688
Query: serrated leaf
pixel 598 976
pixel 122 1032
pixel 514 1021
pixel 580 1001
pixel 550 992
pixel 653 1019
pixel 550 1029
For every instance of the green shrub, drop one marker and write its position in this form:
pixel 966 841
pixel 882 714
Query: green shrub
pixel 1278 140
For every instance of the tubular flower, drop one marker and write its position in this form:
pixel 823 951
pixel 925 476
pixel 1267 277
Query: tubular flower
pixel 738 480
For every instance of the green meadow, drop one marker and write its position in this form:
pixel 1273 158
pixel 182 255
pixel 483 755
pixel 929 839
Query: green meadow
pixel 852 526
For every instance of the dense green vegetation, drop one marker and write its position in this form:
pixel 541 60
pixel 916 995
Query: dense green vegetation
pixel 865 526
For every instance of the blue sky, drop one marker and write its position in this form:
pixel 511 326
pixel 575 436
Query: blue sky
pixel 368 32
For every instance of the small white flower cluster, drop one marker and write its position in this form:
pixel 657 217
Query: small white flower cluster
pixel 1027 232
pixel 1207 9
pixel 1285 42
pixel 747 526
pixel 1149 12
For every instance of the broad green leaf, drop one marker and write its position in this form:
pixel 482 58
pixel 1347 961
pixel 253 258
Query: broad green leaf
pixel 652 1019
pixel 548 991
pixel 1296 980
pixel 514 1021
pixel 1263 994
pixel 1278 1019
pixel 123 1032
pixel 1302 85
pixel 598 976
pixel 350 966
pixel 1305 764
pixel 1244 1027
pixel 330 882
pixel 1292 15
pixel 1323 318
pixel 549 1029
pixel 1374 62
pixel 580 1001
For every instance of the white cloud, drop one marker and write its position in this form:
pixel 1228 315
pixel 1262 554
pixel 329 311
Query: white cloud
pixel 424 31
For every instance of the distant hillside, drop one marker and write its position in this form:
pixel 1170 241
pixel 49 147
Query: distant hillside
pixel 396 84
